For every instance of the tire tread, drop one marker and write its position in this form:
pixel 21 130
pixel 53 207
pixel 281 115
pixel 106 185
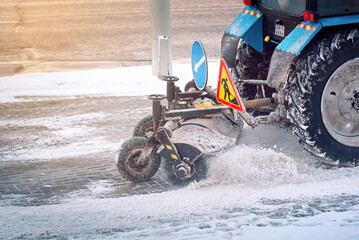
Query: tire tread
pixel 304 76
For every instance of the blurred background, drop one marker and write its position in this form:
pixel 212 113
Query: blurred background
pixel 60 35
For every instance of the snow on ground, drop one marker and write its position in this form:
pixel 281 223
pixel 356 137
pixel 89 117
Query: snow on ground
pixel 265 188
pixel 59 143
pixel 130 81
pixel 262 194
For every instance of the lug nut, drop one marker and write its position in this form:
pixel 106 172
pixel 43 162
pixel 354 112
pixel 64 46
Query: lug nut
pixel 181 172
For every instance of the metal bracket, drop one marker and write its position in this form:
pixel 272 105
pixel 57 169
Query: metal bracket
pixel 146 153
pixel 181 168
pixel 171 88
pixel 251 121
pixel 156 109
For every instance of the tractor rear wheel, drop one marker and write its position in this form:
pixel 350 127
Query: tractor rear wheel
pixel 251 64
pixel 324 98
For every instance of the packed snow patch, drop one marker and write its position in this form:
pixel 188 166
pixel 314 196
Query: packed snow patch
pixel 227 209
pixel 56 137
pixel 129 81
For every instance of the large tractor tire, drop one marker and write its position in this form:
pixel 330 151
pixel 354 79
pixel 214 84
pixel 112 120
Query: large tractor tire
pixel 129 166
pixel 251 64
pixel 247 61
pixel 324 98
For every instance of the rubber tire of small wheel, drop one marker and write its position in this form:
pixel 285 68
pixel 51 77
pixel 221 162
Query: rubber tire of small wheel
pixel 201 172
pixel 133 147
pixel 189 85
pixel 144 126
pixel 307 80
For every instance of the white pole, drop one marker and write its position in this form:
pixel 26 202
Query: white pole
pixel 161 37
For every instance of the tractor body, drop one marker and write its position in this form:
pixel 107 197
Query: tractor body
pixel 307 52
pixel 292 62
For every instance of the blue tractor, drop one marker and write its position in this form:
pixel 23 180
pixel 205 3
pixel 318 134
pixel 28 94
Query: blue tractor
pixel 283 61
pixel 307 54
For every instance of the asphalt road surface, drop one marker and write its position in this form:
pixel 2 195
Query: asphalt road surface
pixel 57 153
pixel 49 150
pixel 57 35
pixel 38 36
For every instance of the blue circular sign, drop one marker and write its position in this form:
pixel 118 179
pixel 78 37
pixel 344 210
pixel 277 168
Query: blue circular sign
pixel 199 65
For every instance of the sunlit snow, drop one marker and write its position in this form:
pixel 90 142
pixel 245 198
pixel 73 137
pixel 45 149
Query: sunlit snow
pixel 267 187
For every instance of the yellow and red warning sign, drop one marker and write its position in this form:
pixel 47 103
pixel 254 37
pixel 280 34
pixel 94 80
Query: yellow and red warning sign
pixel 226 90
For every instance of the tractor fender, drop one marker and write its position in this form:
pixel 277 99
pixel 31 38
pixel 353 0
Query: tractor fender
pixel 295 42
pixel 248 25
pixel 287 50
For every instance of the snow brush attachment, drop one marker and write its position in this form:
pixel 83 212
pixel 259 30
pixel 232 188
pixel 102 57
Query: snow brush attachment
pixel 184 130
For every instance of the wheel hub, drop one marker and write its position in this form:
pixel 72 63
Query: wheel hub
pixel 340 104
pixel 184 171
pixel 134 163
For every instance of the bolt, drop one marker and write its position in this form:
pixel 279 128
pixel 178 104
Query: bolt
pixel 186 160
pixel 355 101
pixel 181 172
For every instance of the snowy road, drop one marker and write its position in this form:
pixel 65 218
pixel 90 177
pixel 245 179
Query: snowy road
pixel 59 133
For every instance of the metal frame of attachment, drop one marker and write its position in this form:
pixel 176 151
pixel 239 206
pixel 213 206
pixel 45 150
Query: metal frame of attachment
pixel 180 107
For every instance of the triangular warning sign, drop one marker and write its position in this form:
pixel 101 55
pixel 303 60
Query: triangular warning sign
pixel 226 91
